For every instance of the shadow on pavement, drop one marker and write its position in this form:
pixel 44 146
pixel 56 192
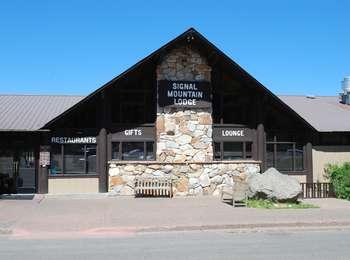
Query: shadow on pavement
pixel 17 196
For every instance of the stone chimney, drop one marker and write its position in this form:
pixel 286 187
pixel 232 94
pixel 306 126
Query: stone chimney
pixel 184 134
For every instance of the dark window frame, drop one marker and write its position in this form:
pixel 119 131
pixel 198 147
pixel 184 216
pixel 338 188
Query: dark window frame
pixel 294 144
pixel 63 164
pixel 120 146
pixel 244 150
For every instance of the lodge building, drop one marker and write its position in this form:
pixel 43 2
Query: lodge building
pixel 186 111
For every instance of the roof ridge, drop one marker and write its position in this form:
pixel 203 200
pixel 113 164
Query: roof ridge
pixel 43 95
pixel 287 95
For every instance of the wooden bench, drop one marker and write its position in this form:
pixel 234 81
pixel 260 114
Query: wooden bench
pixel 153 187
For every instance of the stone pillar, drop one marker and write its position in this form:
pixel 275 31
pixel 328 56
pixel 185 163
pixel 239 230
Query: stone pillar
pixel 184 134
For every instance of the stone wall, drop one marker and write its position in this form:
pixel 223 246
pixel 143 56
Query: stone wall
pixel 183 134
pixel 188 179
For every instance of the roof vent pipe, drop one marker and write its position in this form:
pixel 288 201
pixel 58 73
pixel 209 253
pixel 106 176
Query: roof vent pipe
pixel 345 84
pixel 345 96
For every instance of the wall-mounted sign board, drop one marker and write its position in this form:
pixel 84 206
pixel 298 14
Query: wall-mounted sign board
pixel 233 134
pixel 184 94
pixel 133 133
pixel 44 155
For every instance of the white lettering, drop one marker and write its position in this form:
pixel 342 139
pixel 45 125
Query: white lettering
pixel 73 140
pixel 232 133
pixel 131 132
pixel 184 102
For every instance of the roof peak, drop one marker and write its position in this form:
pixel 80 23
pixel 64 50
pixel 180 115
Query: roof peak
pixel 41 95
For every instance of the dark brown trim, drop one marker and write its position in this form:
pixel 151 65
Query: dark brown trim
pixel 261 146
pixel 42 180
pixel 305 172
pixel 309 167
pixel 102 160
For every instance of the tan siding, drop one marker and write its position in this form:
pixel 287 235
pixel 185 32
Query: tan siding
pixel 73 185
pixel 323 155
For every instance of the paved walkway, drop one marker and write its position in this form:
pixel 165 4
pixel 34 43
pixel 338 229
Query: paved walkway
pixel 107 215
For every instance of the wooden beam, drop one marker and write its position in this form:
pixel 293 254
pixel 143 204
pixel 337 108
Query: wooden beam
pixel 102 160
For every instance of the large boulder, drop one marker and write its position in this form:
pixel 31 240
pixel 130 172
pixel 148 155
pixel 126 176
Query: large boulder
pixel 273 185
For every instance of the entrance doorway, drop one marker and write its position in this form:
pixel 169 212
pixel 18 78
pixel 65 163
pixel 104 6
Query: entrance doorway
pixel 17 171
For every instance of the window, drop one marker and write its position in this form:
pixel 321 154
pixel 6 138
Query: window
pixel 232 150
pixel 285 156
pixel 133 106
pixel 73 159
pixel 133 151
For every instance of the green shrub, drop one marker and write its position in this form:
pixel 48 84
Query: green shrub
pixel 271 204
pixel 339 176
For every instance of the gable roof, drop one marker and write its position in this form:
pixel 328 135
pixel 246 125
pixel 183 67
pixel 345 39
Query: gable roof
pixel 324 113
pixel 32 112
pixel 191 34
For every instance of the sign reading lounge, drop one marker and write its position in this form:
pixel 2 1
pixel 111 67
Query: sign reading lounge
pixel 183 93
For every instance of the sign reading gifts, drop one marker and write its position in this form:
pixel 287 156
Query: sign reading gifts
pixel 184 93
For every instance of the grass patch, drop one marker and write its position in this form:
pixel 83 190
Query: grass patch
pixel 269 204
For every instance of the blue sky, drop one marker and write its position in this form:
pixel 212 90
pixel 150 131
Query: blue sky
pixel 73 47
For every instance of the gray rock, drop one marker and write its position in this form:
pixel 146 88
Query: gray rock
pixel 204 180
pixel 252 169
pixel 198 190
pixel 216 179
pixel 168 168
pixel 273 185
pixel 184 139
pixel 158 173
pixel 194 183
pixel 227 180
pixel 114 171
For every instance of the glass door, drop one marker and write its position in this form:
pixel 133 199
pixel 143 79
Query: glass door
pixel 17 171
pixel 25 180
pixel 7 176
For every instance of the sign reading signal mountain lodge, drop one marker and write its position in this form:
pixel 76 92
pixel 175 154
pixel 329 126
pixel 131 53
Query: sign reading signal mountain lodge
pixel 183 93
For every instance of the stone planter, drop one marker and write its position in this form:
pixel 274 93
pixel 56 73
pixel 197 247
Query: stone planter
pixel 188 178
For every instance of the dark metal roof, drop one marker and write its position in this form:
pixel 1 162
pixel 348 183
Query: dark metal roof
pixel 32 112
pixel 324 113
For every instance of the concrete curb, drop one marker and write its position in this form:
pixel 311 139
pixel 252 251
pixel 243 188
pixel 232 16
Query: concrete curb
pixel 234 228
pixel 247 227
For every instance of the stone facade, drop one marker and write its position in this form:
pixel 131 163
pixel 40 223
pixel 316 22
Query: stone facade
pixel 183 134
pixel 184 150
pixel 188 179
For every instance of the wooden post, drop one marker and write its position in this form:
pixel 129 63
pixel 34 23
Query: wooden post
pixel 42 179
pixel 102 160
pixel 309 168
pixel 261 146
pixel 43 182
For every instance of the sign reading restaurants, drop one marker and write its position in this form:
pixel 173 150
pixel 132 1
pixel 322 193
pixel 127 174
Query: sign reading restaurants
pixel 73 140
pixel 184 93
